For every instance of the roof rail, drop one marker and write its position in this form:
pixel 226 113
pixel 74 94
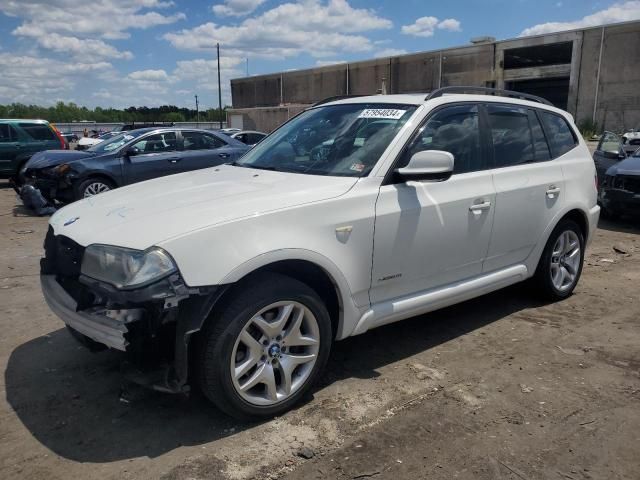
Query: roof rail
pixel 334 99
pixel 486 91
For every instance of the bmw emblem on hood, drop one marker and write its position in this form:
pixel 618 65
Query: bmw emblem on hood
pixel 71 220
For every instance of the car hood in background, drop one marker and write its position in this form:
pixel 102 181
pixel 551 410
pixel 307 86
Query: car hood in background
pixel 50 158
pixel 147 213
pixel 628 166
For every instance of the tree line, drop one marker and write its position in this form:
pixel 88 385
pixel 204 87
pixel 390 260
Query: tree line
pixel 70 112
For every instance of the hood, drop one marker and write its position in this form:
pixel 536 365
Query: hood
pixel 628 166
pixel 147 213
pixel 89 141
pixel 50 158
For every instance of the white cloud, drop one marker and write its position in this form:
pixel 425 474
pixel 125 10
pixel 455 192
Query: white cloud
pixel 66 25
pixel 426 26
pixel 31 79
pixel 618 12
pixel 450 24
pixel 390 52
pixel 324 63
pixel 149 76
pixel 76 46
pixel 314 26
pixel 236 8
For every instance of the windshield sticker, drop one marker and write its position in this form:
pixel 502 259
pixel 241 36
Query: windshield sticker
pixel 391 113
pixel 357 167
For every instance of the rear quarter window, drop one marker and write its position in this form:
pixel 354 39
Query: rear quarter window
pixel 560 135
pixel 38 131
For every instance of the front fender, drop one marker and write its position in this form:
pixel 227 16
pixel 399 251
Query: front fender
pixel 350 312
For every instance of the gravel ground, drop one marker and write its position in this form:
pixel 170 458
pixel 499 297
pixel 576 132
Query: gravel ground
pixel 500 387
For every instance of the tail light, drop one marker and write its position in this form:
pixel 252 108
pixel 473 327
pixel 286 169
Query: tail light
pixel 63 143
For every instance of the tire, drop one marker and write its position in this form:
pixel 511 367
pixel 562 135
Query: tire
pixel 237 333
pixel 93 186
pixel 558 273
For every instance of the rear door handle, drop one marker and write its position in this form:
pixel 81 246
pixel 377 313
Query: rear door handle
pixel 552 191
pixel 174 160
pixel 224 155
pixel 477 208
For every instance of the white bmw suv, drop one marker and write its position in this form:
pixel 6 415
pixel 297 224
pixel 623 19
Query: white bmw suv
pixel 357 213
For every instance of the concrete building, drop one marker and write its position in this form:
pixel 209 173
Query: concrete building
pixel 594 73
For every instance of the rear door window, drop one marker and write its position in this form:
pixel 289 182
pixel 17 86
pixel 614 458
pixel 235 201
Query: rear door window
pixel 254 138
pixel 38 131
pixel 5 133
pixel 511 135
pixel 560 135
pixel 541 149
pixel 200 141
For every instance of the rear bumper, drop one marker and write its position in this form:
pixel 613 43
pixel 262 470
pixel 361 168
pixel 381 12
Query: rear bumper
pixel 99 328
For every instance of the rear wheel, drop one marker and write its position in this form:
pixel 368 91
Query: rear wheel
pixel 265 349
pixel 93 186
pixel 560 266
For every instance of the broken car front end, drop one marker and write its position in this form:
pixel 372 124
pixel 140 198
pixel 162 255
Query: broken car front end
pixel 129 300
pixel 54 182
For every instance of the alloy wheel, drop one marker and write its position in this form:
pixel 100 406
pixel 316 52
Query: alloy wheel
pixel 565 260
pixel 95 188
pixel 275 353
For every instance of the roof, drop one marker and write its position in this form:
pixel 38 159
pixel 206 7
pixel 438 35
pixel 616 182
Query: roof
pixel 420 99
pixel 23 120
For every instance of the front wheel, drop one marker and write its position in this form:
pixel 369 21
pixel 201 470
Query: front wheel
pixel 265 349
pixel 93 186
pixel 560 266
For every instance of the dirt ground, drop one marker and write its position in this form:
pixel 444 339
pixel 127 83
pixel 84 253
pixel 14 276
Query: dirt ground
pixel 501 387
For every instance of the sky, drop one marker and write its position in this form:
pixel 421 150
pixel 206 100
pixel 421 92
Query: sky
pixel 119 53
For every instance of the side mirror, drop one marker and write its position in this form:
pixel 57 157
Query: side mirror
pixel 132 152
pixel 435 165
pixel 619 155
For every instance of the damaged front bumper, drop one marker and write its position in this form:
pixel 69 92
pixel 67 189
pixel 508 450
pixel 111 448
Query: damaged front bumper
pixel 101 326
pixel 153 324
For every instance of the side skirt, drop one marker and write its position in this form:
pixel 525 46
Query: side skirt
pixel 409 306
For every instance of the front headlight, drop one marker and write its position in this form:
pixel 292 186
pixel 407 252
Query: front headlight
pixel 57 170
pixel 124 267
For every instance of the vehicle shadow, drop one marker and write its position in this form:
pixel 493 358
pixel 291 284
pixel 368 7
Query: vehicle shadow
pixel 69 398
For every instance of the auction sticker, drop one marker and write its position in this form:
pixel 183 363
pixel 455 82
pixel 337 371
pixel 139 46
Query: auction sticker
pixel 392 113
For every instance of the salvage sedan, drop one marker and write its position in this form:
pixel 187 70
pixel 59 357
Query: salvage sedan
pixel 127 158
pixel 620 188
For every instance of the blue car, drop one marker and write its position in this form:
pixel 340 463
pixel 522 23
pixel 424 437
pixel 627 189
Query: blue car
pixel 130 157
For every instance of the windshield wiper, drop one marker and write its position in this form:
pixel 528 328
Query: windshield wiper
pixel 263 167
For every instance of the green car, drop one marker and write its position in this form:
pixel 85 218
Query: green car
pixel 19 139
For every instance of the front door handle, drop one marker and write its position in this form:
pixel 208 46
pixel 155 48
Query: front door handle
pixel 477 208
pixel 224 155
pixel 174 160
pixel 552 191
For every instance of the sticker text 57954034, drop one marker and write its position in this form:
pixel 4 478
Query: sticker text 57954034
pixel 391 113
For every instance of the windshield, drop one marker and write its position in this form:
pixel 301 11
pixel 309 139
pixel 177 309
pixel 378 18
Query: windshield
pixel 340 140
pixel 114 143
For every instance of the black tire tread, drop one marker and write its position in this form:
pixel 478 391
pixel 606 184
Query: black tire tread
pixel 212 366
pixel 541 279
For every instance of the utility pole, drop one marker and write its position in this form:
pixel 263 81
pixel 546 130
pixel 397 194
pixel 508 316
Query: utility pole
pixel 219 89
pixel 247 66
pixel 197 113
